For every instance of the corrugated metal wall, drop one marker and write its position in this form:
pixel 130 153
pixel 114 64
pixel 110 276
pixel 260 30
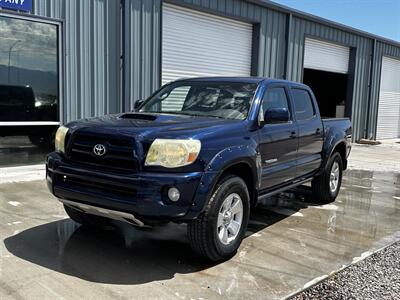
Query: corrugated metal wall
pixel 272 47
pixel 142 49
pixel 381 49
pixel 92 54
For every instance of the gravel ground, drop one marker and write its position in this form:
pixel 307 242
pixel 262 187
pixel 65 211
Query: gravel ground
pixel 376 277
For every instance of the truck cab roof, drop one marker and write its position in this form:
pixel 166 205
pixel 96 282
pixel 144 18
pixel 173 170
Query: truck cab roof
pixel 242 79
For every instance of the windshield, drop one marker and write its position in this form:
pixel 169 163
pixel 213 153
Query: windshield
pixel 219 100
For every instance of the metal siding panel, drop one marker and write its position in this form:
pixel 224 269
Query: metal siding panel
pixel 290 51
pixel 91 54
pixel 374 94
pixel 299 53
pixel 142 49
pixel 275 50
pixel 267 61
pixel 262 47
pixel 363 88
pixel 273 45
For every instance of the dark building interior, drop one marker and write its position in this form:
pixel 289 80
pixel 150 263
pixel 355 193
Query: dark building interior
pixel 329 88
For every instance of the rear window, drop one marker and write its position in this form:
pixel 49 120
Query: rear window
pixel 303 104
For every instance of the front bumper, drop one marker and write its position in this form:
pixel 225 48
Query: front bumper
pixel 143 194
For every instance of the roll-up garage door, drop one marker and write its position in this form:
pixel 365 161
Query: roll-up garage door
pixel 199 44
pixel 321 55
pixel 389 100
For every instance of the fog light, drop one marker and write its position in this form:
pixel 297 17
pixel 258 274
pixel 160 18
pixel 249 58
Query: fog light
pixel 173 194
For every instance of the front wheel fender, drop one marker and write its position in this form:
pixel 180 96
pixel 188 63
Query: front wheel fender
pixel 224 159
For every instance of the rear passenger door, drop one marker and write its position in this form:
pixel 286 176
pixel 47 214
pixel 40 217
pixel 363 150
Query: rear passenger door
pixel 310 131
pixel 278 142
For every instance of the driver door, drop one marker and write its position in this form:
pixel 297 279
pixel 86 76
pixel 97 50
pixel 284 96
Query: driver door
pixel 278 142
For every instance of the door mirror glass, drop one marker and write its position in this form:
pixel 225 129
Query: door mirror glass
pixel 276 115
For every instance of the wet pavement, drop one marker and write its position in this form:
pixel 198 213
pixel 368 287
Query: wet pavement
pixel 19 151
pixel 291 242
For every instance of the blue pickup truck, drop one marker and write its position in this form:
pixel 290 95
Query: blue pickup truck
pixel 200 151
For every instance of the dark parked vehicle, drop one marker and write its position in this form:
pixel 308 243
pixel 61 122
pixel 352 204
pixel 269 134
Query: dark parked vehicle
pixel 201 151
pixel 19 107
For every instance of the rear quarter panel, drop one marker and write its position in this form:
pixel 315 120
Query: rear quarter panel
pixel 336 131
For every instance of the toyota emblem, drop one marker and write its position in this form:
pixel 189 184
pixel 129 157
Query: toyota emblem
pixel 99 150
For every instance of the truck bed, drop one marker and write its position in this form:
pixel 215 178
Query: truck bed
pixel 343 124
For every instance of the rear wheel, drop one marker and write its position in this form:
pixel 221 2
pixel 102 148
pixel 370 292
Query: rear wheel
pixel 218 232
pixel 327 185
pixel 84 218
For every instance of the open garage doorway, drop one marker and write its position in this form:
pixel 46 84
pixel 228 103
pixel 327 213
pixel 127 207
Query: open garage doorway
pixel 330 89
pixel 328 71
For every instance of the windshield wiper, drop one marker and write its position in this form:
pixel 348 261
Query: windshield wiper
pixel 204 116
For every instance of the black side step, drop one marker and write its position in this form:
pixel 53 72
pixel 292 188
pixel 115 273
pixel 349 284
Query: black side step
pixel 285 188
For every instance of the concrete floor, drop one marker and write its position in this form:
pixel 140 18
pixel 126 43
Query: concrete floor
pixel 291 242
pixel 384 157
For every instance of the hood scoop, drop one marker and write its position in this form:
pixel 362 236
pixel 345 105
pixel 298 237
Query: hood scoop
pixel 135 116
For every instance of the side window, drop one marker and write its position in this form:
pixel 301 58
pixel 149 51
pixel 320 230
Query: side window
pixel 274 98
pixel 303 104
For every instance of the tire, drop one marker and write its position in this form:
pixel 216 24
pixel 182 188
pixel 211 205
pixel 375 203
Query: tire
pixel 86 219
pixel 42 141
pixel 321 185
pixel 210 240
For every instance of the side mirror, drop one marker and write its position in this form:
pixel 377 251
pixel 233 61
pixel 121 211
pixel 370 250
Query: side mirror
pixel 137 105
pixel 276 115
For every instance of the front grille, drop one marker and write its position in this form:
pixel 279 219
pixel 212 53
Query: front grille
pixel 120 153
pixel 111 189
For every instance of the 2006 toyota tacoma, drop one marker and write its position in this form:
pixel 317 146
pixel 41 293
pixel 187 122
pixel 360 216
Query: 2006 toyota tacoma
pixel 201 151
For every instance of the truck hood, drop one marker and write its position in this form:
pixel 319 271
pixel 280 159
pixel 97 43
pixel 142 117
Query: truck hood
pixel 148 126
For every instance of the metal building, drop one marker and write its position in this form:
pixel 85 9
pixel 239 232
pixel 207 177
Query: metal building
pixel 83 58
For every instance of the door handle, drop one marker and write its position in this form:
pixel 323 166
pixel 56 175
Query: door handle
pixel 293 134
pixel 318 131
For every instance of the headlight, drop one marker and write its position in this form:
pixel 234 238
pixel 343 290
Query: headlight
pixel 60 139
pixel 171 153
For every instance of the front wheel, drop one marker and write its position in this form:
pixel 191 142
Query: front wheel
pixel 218 232
pixel 327 185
